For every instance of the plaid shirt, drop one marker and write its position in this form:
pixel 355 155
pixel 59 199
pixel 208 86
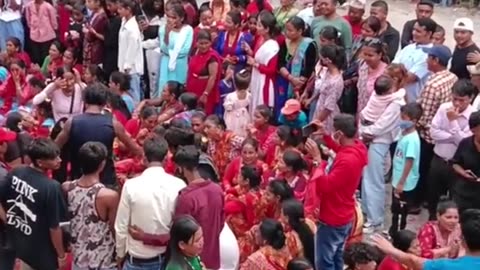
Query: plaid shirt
pixel 437 90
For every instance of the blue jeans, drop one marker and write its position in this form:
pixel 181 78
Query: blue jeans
pixel 128 265
pixel 373 184
pixel 11 29
pixel 329 244
pixel 7 259
pixel 135 88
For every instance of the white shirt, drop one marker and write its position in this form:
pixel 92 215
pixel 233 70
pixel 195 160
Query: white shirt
pixel 7 14
pixel 307 15
pixel 147 201
pixel 130 52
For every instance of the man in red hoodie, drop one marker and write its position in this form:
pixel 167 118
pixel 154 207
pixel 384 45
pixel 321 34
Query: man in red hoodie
pixel 336 188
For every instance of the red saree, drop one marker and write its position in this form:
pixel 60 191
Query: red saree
pixel 224 150
pixel 265 137
pixel 243 209
pixel 268 258
pixel 232 172
pixel 197 77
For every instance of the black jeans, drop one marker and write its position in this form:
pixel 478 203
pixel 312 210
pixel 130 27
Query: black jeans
pixel 399 208
pixel 426 150
pixel 39 50
pixel 439 183
pixel 7 259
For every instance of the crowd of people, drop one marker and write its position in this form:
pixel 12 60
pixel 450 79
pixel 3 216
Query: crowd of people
pixel 235 135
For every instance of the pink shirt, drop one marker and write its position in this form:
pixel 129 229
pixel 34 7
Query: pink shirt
pixel 42 21
pixel 61 103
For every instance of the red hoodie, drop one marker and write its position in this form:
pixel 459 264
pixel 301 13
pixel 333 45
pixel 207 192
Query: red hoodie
pixel 337 188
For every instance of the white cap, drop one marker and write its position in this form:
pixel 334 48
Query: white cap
pixel 465 24
pixel 359 4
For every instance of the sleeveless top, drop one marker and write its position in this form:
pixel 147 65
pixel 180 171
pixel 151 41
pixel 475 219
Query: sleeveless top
pixel 92 127
pixel 93 244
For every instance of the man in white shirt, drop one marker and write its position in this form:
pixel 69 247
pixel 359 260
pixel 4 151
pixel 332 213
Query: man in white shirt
pixel 11 22
pixel 449 126
pixel 130 50
pixel 148 203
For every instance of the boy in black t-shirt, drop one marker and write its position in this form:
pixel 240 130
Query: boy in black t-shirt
pixel 462 33
pixel 34 205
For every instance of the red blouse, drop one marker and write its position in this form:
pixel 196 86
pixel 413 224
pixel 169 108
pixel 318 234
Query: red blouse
pixel 389 263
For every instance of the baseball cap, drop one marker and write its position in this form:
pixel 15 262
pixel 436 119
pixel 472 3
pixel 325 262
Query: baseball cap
pixel 291 106
pixel 7 135
pixel 465 24
pixel 441 52
pixel 359 4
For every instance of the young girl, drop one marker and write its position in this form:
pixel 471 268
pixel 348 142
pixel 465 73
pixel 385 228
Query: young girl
pixel 329 87
pixel 225 87
pixel 398 72
pixel 236 104
pixel 120 84
pixel 186 243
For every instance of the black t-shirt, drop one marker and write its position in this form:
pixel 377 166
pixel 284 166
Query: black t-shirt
pixel 459 61
pixel 466 191
pixel 34 204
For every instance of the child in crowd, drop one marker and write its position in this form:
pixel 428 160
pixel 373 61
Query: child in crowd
pixel 406 162
pixel 74 36
pixel 120 84
pixel 237 116
pixel 251 28
pixel 225 87
pixel 292 115
pixel 383 95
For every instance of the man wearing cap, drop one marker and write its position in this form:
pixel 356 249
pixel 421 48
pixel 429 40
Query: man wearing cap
pixel 7 254
pixel 462 33
pixel 414 58
pixel 356 9
pixel 437 90
pixel 424 9
pixel 292 115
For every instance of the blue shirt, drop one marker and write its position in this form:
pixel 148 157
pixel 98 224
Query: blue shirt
pixel 299 122
pixel 129 102
pixel 415 61
pixel 407 147
pixel 462 263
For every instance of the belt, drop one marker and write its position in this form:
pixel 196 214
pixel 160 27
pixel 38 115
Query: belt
pixel 441 158
pixel 134 260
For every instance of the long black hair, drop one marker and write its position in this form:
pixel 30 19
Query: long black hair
pixel 272 232
pixel 293 210
pixel 183 229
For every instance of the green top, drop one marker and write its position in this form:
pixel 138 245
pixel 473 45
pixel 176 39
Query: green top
pixel 340 23
pixel 45 64
pixel 194 262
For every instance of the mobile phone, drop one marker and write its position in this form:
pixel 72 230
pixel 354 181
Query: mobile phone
pixel 308 130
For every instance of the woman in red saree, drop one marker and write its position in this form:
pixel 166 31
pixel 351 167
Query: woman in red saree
pixel 275 194
pixel 298 230
pixel 223 145
pixel 244 209
pixel 292 167
pixel 285 138
pixel 441 238
pixel 405 241
pixel 203 75
pixel 274 254
pixel 249 156
pixel 14 51
pixel 261 129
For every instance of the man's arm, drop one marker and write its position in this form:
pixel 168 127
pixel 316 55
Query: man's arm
pixel 122 221
pixel 125 138
pixel 56 208
pixel 64 135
